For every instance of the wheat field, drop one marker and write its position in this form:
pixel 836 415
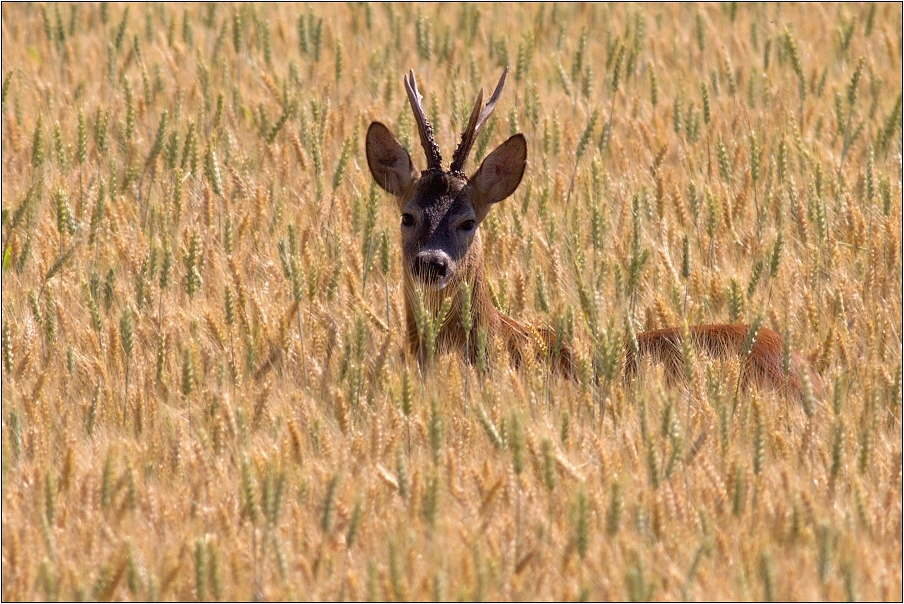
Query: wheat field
pixel 206 388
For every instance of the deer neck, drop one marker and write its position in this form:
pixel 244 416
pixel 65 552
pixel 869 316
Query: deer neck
pixel 451 334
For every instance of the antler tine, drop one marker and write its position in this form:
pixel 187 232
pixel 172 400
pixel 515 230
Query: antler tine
pixel 478 118
pixel 467 137
pixel 428 142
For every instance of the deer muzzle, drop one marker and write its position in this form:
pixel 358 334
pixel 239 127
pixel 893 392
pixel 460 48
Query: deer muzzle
pixel 432 268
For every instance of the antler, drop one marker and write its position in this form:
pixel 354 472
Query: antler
pixel 431 149
pixel 478 118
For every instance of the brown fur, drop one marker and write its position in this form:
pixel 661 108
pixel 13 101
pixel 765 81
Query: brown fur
pixel 519 340
pixel 763 367
pixel 719 342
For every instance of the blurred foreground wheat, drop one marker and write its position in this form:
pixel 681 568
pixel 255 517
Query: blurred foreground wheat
pixel 204 389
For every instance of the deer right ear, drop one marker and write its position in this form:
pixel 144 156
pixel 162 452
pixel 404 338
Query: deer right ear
pixel 499 174
pixel 388 160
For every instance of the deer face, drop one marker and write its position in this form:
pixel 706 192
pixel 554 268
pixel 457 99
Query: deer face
pixel 438 226
pixel 442 210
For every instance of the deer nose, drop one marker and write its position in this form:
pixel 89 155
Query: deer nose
pixel 431 265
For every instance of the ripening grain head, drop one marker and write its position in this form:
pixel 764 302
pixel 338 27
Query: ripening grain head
pixel 206 386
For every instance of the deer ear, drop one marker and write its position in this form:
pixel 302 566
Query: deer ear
pixel 388 160
pixel 499 174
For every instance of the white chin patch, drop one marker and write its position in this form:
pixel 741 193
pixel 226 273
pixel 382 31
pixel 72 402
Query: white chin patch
pixel 435 285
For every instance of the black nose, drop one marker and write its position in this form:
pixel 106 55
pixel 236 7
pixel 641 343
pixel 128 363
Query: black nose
pixel 431 265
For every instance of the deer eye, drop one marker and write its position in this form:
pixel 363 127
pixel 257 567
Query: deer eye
pixel 407 220
pixel 468 225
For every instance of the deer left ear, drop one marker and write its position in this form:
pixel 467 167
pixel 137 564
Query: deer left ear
pixel 388 160
pixel 499 174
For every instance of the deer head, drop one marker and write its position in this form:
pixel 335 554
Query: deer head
pixel 441 210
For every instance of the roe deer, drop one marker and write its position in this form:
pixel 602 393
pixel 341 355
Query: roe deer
pixel 441 212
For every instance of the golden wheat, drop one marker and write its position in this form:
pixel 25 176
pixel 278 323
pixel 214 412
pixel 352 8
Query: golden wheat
pixel 205 390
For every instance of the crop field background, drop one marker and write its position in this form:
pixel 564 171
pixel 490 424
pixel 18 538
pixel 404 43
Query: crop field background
pixel 206 388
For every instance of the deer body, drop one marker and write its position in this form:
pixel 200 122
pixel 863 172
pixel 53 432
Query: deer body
pixel 443 257
pixel 763 365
